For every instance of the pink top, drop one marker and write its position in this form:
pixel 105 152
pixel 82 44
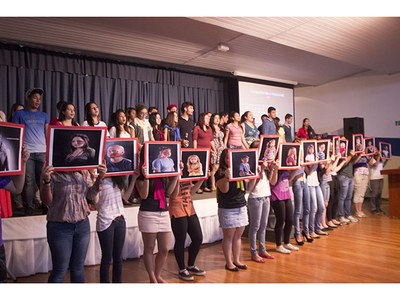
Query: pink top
pixel 202 137
pixel 235 135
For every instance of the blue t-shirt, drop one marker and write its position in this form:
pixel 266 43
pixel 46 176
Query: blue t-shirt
pixel 268 127
pixel 4 181
pixel 34 132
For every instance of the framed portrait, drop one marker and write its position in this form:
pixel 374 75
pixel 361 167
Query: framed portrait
pixel 196 163
pixel 161 159
pixel 309 150
pixel 369 146
pixel 358 142
pixel 243 164
pixel 323 147
pixel 72 148
pixel 268 147
pixel 289 156
pixel 121 156
pixel 343 148
pixel 336 145
pixel 386 150
pixel 11 141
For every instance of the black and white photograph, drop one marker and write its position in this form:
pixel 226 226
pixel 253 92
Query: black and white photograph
pixel 268 147
pixel 358 143
pixel 323 147
pixel 11 141
pixel 243 164
pixel 386 150
pixel 196 163
pixel 121 156
pixel 369 146
pixel 73 148
pixel 161 159
pixel 289 156
pixel 309 148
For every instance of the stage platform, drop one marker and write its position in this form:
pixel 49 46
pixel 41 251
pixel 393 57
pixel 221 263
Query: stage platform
pixel 27 251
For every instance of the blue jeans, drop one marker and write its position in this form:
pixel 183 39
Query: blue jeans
pixel 258 212
pixel 112 242
pixel 316 208
pixel 301 203
pixel 68 243
pixel 34 167
pixel 346 188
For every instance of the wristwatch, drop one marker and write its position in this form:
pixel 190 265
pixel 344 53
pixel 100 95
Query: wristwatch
pixel 46 182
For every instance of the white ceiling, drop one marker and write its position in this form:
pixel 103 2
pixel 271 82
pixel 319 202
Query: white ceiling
pixel 304 50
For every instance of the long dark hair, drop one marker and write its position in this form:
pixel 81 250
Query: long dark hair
pixel 222 162
pixel 61 115
pixel 13 110
pixel 212 122
pixel 83 137
pixel 88 116
pixel 117 125
pixel 120 182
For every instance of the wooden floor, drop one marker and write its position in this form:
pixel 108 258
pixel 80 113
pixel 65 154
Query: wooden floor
pixel 364 252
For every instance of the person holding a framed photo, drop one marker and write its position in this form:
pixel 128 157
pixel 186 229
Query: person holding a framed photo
pixel 259 207
pixel 232 214
pixel 111 224
pixel 68 228
pixel 153 219
pixel 184 221
pixel 13 184
pixel 376 165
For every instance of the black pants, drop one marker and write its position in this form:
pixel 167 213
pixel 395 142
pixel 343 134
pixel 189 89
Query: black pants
pixel 332 208
pixel 283 210
pixel 181 227
pixel 3 266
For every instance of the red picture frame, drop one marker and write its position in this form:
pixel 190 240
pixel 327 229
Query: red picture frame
pixel 308 157
pixel 326 151
pixel 358 143
pixel 344 147
pixel 240 167
pixel 129 160
pixel 60 150
pixel 289 156
pixel 11 141
pixel 153 159
pixel 263 152
pixel 369 148
pixel 386 150
pixel 195 170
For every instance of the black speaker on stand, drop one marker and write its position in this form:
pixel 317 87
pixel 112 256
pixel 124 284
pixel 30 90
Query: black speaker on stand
pixel 352 126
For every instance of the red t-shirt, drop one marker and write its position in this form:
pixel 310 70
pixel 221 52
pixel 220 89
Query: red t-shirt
pixel 202 137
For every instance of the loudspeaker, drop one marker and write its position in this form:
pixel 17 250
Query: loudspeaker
pixel 351 126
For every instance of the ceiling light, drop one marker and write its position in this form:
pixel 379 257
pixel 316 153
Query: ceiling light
pixel 222 47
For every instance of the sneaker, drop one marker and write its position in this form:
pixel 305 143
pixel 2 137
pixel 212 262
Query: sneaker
pixel 352 219
pixel 360 215
pixel 336 222
pixel 344 220
pixel 185 275
pixel 291 247
pixel 196 271
pixel 281 249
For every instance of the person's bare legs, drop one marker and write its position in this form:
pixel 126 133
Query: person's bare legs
pixel 237 245
pixel 228 234
pixel 149 242
pixel 212 173
pixel 163 243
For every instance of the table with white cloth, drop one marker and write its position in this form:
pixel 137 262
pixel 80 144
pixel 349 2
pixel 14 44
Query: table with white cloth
pixel 28 253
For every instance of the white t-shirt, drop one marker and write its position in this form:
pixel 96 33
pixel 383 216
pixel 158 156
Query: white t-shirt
pixel 312 178
pixel 262 188
pixel 113 133
pixel 375 171
pixel 100 124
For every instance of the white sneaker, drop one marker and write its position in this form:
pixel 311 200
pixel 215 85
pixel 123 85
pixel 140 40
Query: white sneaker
pixel 282 250
pixel 344 220
pixel 290 247
pixel 352 219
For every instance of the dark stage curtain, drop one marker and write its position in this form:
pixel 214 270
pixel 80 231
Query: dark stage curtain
pixel 111 84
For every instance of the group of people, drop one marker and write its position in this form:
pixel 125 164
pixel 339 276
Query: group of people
pixel 321 201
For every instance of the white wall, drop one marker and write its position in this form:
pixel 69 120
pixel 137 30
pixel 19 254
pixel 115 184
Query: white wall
pixel 376 98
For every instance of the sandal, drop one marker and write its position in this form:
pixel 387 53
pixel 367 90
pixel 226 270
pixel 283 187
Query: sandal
pixel 266 255
pixel 258 259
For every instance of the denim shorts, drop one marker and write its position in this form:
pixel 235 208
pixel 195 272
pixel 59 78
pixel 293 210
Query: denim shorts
pixel 233 217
